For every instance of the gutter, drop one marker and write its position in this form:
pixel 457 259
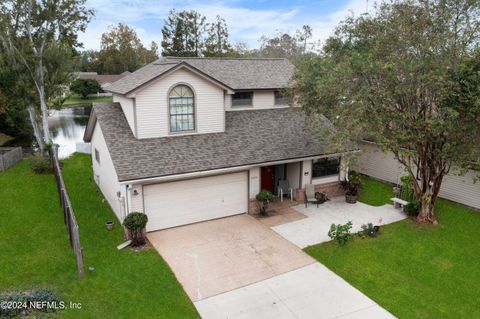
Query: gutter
pixel 128 189
pixel 168 178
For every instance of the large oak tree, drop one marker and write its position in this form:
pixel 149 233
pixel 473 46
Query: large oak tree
pixel 407 77
pixel 122 50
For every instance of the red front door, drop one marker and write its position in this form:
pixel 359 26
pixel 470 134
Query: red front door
pixel 267 176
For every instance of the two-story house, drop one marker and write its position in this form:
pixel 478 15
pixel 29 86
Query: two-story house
pixel 192 139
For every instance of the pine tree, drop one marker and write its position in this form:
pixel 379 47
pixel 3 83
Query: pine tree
pixel 217 43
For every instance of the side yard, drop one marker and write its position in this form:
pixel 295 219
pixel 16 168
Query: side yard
pixel 36 252
pixel 413 271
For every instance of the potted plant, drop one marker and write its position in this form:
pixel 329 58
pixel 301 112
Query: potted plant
pixel 135 224
pixel 109 225
pixel 264 198
pixel 351 187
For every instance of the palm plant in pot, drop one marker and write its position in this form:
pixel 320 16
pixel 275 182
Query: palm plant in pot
pixel 351 186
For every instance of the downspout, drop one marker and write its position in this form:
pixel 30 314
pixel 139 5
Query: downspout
pixel 128 189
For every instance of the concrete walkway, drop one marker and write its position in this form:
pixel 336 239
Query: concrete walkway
pixel 314 229
pixel 311 292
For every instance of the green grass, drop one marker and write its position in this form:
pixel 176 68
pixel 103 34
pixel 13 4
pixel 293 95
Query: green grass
pixel 414 271
pixel 35 252
pixel 374 192
pixel 78 101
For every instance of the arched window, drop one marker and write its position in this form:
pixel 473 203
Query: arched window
pixel 182 109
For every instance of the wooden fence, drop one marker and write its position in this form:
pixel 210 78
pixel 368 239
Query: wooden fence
pixel 9 156
pixel 68 214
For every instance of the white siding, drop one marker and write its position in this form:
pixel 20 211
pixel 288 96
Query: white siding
pixel 137 199
pixel 462 189
pixel 306 173
pixel 375 163
pixel 384 166
pixel 293 174
pixel 105 175
pixel 228 101
pixel 152 105
pixel 128 109
pixel 254 183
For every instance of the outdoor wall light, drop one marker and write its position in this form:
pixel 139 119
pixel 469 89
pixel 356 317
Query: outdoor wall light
pixel 135 192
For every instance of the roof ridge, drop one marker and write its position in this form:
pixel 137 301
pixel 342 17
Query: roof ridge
pixel 219 58
pixel 234 72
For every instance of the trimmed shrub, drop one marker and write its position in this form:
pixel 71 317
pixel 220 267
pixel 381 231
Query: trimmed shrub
pixel 368 230
pixel 264 197
pixel 135 223
pixel 412 208
pixel 40 165
pixel 341 233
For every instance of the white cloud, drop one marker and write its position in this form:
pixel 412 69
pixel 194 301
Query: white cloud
pixel 323 28
pixel 248 25
pixel 245 24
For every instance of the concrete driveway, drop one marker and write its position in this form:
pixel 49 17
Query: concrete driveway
pixel 314 229
pixel 311 292
pixel 221 255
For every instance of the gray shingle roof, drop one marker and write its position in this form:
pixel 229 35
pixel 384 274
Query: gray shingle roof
pixel 251 137
pixel 101 78
pixel 235 73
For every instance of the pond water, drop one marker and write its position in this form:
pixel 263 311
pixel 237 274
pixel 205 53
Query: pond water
pixel 67 127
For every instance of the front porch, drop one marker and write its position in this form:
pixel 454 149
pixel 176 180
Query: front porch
pixel 280 212
pixel 286 181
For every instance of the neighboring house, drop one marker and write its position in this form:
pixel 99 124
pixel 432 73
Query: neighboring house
pixel 384 166
pixel 192 139
pixel 105 80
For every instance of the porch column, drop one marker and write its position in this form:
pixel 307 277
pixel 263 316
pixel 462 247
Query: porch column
pixel 253 189
pixel 306 174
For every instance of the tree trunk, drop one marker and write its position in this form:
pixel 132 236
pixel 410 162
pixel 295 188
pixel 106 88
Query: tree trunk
pixel 36 130
pixel 44 111
pixel 427 213
pixel 428 198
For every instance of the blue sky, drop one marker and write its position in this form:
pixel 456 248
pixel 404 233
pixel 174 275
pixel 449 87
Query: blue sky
pixel 247 20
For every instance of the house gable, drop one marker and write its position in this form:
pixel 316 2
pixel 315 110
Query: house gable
pixel 152 112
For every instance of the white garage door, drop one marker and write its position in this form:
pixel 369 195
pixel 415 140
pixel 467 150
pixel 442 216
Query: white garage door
pixel 190 201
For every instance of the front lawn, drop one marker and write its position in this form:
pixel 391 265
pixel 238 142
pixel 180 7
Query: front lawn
pixel 78 101
pixel 35 251
pixel 414 271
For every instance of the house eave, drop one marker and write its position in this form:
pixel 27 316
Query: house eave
pixel 182 65
pixel 92 120
pixel 218 171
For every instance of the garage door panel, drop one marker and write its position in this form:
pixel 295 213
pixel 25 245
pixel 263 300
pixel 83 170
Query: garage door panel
pixel 185 202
